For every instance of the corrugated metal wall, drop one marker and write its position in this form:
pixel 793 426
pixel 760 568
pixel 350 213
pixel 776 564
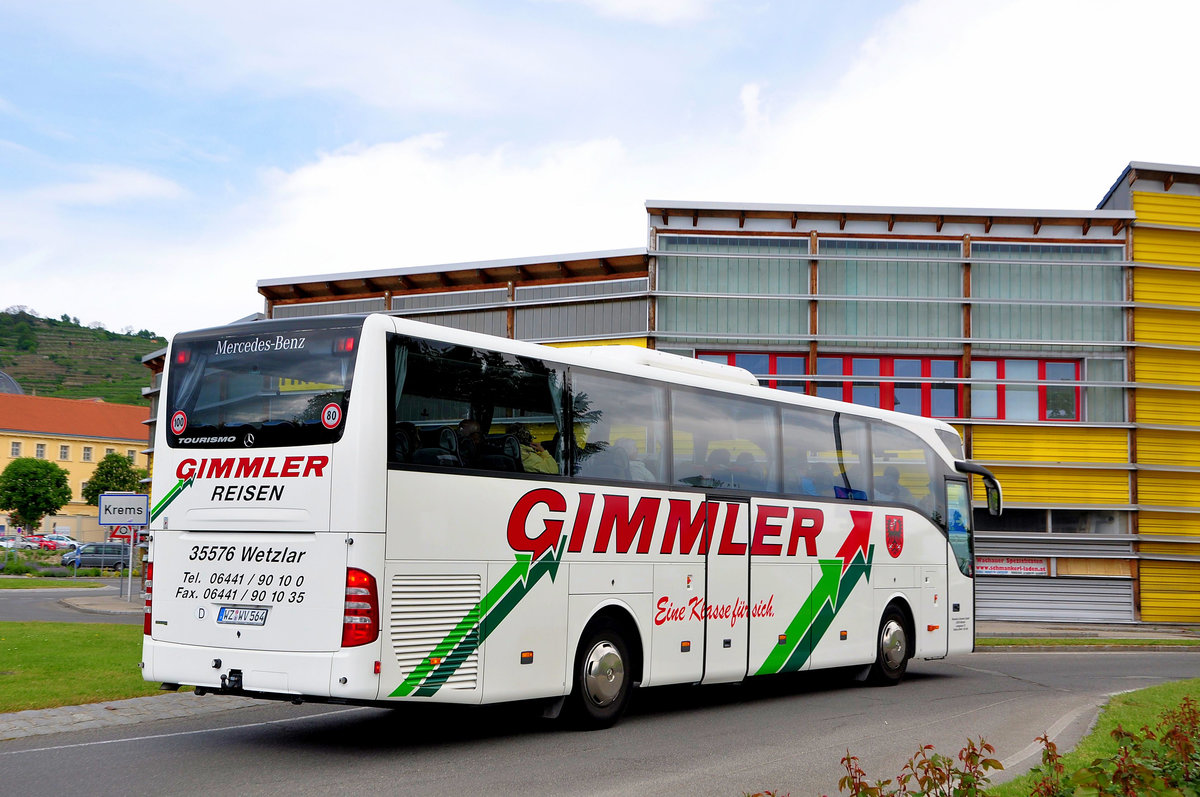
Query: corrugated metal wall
pixel 1176 210
pixel 1170 592
pixel 1059 486
pixel 1168 524
pixel 1050 444
pixel 1169 247
pixel 1167 286
pixel 328 308
pixel 594 319
pixel 1099 600
pixel 1169 572
pixel 1168 408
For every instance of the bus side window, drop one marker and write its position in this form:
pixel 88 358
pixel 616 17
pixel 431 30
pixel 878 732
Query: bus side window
pixel 903 467
pixel 734 442
pixel 619 427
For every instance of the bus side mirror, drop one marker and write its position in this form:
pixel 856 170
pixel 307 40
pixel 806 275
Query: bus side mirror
pixel 994 501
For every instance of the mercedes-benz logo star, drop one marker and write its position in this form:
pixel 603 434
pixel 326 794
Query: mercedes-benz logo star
pixel 248 440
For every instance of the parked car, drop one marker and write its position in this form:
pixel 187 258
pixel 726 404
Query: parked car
pixel 55 542
pixel 36 541
pixel 114 555
pixel 13 542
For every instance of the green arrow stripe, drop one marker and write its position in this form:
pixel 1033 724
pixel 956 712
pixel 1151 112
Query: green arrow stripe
pixel 515 574
pixel 828 611
pixel 817 613
pixel 171 495
pixel 547 565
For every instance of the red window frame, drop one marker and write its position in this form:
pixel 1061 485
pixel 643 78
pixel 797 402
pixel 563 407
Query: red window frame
pixel 1042 386
pixel 887 395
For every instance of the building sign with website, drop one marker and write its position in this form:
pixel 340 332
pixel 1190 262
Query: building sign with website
pixel 1012 566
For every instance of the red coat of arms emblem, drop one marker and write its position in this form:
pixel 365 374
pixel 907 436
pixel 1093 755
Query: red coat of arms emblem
pixel 894 524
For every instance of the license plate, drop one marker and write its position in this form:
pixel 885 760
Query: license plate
pixel 234 615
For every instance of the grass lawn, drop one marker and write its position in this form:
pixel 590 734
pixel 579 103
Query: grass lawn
pixel 992 642
pixel 1131 711
pixel 21 582
pixel 65 664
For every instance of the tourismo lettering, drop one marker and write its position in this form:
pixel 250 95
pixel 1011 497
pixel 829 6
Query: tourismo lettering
pixel 619 525
pixel 252 468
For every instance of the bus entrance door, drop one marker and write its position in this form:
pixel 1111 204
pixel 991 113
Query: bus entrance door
pixel 727 582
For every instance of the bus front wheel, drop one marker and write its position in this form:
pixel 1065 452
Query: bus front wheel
pixel 893 649
pixel 602 680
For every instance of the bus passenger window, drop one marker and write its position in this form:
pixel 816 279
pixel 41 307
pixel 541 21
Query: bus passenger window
pixel 445 395
pixel 733 442
pixel 620 427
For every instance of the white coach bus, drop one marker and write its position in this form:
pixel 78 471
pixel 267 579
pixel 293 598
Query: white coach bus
pixel 372 510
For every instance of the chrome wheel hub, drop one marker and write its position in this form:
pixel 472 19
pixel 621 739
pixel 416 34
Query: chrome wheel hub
pixel 892 644
pixel 603 673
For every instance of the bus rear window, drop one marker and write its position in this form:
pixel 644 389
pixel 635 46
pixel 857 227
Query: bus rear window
pixel 259 386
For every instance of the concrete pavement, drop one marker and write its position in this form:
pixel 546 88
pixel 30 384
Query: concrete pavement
pixel 143 709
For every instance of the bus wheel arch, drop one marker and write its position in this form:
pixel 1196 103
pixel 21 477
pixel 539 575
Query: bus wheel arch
pixel 894 644
pixel 606 666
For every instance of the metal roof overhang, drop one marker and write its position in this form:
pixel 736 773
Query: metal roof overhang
pixel 986 217
pixel 457 276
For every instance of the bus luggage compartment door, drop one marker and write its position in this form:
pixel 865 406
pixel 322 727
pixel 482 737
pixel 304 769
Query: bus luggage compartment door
pixel 727 591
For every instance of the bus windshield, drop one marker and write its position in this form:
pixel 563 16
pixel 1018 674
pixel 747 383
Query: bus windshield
pixel 261 385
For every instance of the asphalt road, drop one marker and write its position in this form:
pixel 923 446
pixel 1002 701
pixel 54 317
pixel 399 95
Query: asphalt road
pixel 25 605
pixel 777 734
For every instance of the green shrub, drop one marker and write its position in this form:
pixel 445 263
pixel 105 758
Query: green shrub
pixel 1163 762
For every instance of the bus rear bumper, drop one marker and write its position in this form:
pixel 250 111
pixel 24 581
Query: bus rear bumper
pixel 344 675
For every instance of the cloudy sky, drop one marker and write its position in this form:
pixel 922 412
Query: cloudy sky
pixel 158 159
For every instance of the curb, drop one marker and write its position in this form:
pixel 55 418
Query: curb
pixel 1098 646
pixel 78 605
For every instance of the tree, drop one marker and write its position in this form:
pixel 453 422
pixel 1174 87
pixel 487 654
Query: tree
pixel 114 474
pixel 32 488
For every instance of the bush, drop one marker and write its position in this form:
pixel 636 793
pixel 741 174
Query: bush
pixel 15 567
pixel 1161 762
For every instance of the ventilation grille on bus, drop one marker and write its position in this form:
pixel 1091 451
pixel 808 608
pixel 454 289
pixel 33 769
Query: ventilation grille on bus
pixel 424 611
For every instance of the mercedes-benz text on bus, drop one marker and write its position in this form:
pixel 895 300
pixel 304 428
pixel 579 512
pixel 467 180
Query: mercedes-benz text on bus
pixel 373 510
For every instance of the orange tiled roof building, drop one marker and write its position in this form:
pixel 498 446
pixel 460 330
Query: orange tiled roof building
pixel 75 435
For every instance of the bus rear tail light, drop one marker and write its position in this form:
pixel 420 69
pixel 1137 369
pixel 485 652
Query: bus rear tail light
pixel 149 595
pixel 360 621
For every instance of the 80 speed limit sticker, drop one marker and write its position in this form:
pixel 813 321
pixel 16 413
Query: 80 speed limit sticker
pixel 331 416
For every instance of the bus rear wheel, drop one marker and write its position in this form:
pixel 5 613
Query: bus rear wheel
pixel 893 649
pixel 602 681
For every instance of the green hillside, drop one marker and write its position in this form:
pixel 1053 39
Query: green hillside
pixel 65 360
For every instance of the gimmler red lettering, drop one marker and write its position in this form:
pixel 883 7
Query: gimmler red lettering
pixel 250 468
pixel 639 525
pixel 518 533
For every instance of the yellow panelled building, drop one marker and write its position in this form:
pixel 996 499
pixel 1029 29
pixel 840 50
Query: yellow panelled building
pixel 1165 247
pixel 1063 345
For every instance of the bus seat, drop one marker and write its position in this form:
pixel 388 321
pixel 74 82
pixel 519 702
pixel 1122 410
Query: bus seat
pixel 501 453
pixel 444 451
pixel 405 441
pixel 608 463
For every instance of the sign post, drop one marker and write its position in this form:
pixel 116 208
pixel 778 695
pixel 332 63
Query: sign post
pixel 125 509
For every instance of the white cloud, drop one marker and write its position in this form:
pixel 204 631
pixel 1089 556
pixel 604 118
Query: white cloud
pixel 660 12
pixel 107 185
pixel 1013 104
pixel 1024 104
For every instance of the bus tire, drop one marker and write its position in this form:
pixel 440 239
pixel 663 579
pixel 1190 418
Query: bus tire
pixel 893 648
pixel 602 679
